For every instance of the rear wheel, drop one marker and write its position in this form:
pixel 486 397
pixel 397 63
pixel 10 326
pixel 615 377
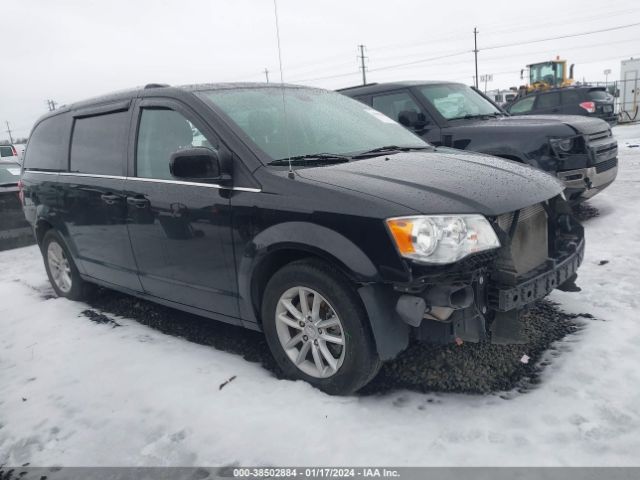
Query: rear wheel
pixel 316 328
pixel 61 269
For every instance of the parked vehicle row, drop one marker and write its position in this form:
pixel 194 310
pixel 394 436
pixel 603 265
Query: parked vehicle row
pixel 334 230
pixel 580 151
pixel 14 230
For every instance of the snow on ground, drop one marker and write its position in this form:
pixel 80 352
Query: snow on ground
pixel 73 392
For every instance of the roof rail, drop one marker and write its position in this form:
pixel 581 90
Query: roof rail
pixel 356 86
pixel 155 85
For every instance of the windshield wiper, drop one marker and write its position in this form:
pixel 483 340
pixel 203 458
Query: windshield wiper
pixel 10 184
pixel 477 115
pixel 389 149
pixel 311 158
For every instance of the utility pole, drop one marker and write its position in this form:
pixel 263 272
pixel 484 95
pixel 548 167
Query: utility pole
pixel 362 65
pixel 266 74
pixel 475 51
pixel 9 131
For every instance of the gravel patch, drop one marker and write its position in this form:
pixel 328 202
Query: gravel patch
pixel 468 368
pixel 584 211
pixel 480 368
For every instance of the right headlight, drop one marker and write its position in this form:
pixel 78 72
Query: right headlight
pixel 563 145
pixel 442 239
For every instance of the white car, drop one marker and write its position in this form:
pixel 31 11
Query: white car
pixel 9 152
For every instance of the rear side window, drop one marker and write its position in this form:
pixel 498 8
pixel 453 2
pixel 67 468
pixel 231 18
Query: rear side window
pixel 548 100
pixel 49 144
pixel 99 144
pixel 571 97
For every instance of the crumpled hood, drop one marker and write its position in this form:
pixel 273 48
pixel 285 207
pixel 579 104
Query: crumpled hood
pixel 577 123
pixel 442 181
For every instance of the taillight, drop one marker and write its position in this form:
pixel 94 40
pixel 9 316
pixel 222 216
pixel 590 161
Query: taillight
pixel 21 191
pixel 589 106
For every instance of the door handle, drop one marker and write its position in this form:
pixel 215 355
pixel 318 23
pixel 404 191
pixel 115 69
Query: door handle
pixel 138 202
pixel 109 198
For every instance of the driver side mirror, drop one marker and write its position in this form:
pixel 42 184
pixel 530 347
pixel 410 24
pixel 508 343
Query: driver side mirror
pixel 197 164
pixel 412 119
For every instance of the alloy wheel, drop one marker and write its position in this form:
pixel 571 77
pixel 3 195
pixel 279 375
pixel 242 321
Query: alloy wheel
pixel 310 332
pixel 59 267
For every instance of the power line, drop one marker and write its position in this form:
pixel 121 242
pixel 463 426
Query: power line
pixel 465 52
pixel 559 37
pixel 532 23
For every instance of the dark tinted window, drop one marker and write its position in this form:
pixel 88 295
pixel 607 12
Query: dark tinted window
pixel 598 95
pixel 571 97
pixel 395 103
pixel 523 106
pixel 161 133
pixel 548 100
pixel 49 144
pixel 99 144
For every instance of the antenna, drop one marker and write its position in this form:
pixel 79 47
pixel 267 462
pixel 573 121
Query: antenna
pixel 284 103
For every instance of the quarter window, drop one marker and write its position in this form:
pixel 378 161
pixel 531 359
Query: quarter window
pixel 548 100
pixel 98 144
pixel 392 105
pixel 571 97
pixel 163 132
pixel 523 106
pixel 49 144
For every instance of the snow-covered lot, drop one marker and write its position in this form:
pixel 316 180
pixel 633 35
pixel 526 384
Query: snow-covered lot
pixel 76 392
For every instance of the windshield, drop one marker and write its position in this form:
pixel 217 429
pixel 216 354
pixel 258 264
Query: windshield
pixel 457 101
pixel 318 121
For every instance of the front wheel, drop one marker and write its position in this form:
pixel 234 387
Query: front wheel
pixel 316 328
pixel 61 269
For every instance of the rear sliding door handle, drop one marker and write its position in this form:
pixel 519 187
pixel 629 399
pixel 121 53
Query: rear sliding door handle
pixel 109 198
pixel 138 202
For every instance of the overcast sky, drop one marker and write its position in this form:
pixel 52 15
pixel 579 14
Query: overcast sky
pixel 68 50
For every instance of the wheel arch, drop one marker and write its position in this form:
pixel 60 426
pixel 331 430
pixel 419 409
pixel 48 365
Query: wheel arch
pixel 281 244
pixel 41 228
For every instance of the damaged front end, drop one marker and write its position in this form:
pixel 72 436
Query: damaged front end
pixel 482 296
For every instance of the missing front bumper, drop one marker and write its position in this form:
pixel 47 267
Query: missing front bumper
pixel 503 298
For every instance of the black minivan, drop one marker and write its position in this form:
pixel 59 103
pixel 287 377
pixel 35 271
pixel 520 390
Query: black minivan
pixel 298 212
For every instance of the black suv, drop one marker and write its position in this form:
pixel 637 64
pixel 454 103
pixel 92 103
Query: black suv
pixel 580 151
pixel 333 229
pixel 582 100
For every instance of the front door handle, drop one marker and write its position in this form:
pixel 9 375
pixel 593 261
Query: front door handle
pixel 138 202
pixel 109 198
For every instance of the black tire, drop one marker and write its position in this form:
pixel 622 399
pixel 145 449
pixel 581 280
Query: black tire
pixel 361 361
pixel 79 289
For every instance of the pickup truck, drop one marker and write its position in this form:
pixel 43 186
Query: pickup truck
pixel 580 151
